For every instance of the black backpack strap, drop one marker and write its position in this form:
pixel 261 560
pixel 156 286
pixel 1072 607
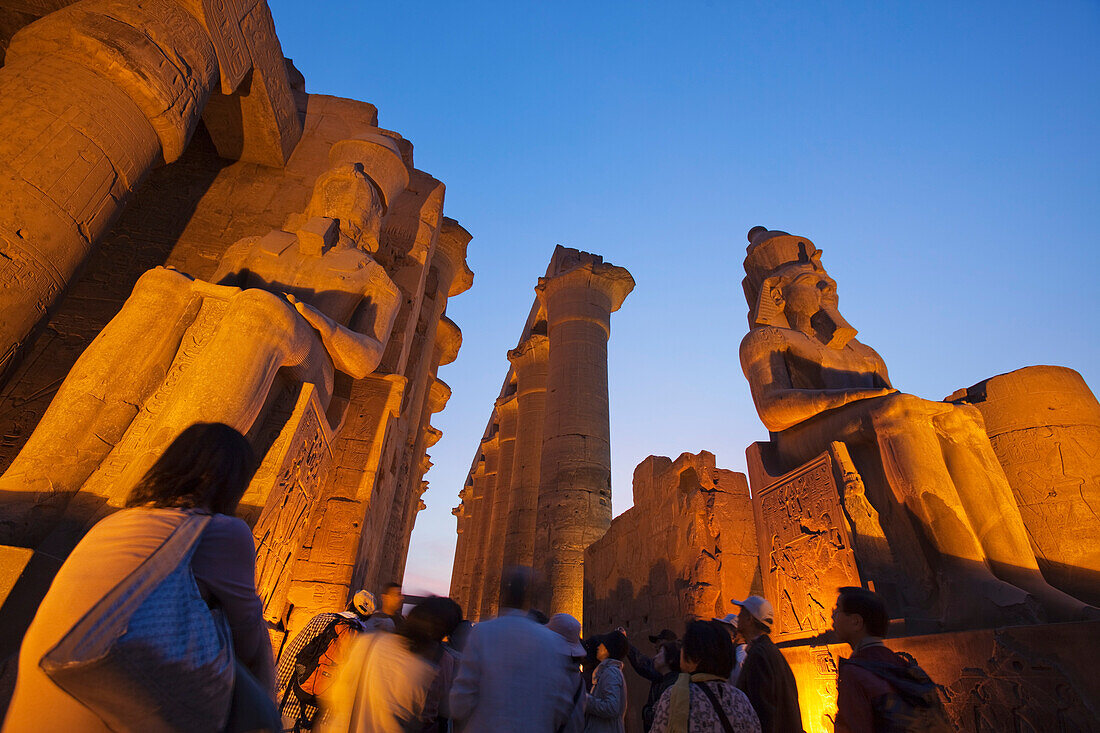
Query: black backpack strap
pixel 725 721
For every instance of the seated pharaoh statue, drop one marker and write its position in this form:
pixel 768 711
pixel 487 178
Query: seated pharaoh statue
pixel 297 306
pixel 929 468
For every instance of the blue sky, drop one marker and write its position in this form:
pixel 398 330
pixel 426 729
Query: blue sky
pixel 945 156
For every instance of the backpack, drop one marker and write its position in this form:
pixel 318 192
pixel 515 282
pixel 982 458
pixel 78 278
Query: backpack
pixel 914 706
pixel 315 664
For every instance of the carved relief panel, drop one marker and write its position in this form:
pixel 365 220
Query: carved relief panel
pixel 291 477
pixel 805 547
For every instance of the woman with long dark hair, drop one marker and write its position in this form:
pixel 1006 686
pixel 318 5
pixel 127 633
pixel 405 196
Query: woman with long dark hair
pixel 205 471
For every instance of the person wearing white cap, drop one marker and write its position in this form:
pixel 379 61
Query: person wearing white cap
pixel 569 629
pixel 766 678
pixel 359 608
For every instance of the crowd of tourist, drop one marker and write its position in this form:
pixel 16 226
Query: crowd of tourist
pixel 153 623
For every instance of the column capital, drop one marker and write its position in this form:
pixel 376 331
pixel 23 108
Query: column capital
pixel 438 395
pixel 571 268
pixel 532 350
pixel 450 258
pixel 448 340
pixel 432 435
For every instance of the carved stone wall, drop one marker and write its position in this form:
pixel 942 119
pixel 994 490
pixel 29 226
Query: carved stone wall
pixel 685 548
pixel 1022 678
pixel 805 547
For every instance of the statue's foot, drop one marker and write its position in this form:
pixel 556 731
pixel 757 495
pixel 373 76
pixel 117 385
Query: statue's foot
pixel 979 600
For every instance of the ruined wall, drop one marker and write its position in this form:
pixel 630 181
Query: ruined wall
pixel 684 549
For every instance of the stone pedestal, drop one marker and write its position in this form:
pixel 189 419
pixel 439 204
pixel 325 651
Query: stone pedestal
pixel 1018 678
pixel 529 362
pixel 575 472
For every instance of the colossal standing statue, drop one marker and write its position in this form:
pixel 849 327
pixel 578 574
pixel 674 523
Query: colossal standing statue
pixel 302 305
pixel 813 383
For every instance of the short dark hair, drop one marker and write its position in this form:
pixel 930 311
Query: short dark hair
pixel 672 655
pixel 425 626
pixel 208 466
pixel 616 644
pixel 708 645
pixel 866 604
pixel 515 587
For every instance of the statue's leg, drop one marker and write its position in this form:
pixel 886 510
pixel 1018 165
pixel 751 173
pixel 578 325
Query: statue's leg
pixel 228 377
pixel 988 500
pixel 95 404
pixel 918 473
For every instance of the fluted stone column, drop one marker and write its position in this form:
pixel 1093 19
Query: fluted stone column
pixel 490 448
pixel 92 97
pixel 575 472
pixel 460 577
pixel 529 361
pixel 475 502
pixel 498 518
pixel 459 512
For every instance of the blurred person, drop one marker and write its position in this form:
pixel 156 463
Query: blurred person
pixel 605 706
pixel 569 629
pixel 740 649
pixel 389 618
pixel 514 675
pixel 702 700
pixel 661 670
pixel 335 627
pixel 869 699
pixel 383 685
pixel 205 470
pixel 437 708
pixel 766 678
pixel 538 617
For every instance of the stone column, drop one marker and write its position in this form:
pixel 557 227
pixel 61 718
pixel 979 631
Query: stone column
pixel 578 295
pixel 498 519
pixel 529 362
pixel 460 572
pixel 92 97
pixel 491 450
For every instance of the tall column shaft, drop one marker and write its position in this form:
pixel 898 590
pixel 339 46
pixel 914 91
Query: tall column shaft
pixel 91 98
pixel 529 360
pixel 575 471
pixel 498 519
pixel 480 551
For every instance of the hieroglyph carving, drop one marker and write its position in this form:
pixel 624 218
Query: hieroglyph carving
pixel 805 547
pixel 291 477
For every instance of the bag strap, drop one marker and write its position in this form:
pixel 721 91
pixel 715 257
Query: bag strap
pixel 725 721
pixel 93 634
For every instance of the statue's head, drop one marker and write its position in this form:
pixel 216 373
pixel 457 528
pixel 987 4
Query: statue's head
pixel 346 193
pixel 787 287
